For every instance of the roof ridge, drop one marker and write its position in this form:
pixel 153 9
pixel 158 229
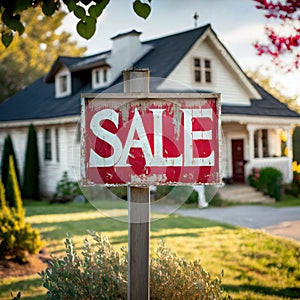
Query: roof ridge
pixel 208 25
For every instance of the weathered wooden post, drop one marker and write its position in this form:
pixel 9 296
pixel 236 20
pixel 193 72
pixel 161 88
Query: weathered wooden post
pixel 137 81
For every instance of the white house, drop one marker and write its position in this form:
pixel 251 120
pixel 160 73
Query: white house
pixel 252 119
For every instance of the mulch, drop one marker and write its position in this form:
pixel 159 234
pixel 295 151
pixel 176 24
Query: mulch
pixel 35 263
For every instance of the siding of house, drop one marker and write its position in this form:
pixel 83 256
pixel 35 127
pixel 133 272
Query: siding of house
pixel 51 171
pixel 223 79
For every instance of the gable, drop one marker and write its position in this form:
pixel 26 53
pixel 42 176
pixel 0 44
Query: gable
pixel 227 78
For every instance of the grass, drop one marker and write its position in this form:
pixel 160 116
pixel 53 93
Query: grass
pixel 256 264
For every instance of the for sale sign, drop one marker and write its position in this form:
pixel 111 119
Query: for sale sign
pixel 151 139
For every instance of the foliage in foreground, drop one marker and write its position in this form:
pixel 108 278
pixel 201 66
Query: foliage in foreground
pixel 101 273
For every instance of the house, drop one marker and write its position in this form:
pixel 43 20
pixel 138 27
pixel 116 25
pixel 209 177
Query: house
pixel 253 121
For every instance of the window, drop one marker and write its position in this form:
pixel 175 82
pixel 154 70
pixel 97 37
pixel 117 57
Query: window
pixel 100 77
pixel 57 144
pixel 63 87
pixel 261 143
pixel 202 70
pixel 63 83
pixel 265 143
pixel 47 144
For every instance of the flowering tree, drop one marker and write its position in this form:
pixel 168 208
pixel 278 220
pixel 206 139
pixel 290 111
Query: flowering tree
pixel 283 42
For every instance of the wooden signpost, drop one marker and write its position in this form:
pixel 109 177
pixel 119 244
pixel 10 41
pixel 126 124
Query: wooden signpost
pixel 137 139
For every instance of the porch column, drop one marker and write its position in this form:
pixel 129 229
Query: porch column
pixel 289 145
pixel 251 131
pixel 289 141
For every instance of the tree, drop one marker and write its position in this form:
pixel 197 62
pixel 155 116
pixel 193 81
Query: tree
pixel 13 194
pixel 87 11
pixel 31 168
pixel 8 150
pixel 275 89
pixel 281 44
pixel 19 64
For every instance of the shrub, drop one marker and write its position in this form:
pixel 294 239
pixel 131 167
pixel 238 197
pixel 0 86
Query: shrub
pixel 101 273
pixel 253 177
pixel 31 184
pixel 66 189
pixel 268 180
pixel 16 236
pixel 8 151
pixel 13 195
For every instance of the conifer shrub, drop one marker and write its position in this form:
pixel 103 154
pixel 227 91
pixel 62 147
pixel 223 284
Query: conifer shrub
pixel 101 273
pixel 17 238
pixel 8 150
pixel 13 195
pixel 31 188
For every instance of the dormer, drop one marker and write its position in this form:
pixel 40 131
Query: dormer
pixel 63 83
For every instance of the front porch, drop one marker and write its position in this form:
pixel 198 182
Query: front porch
pixel 251 143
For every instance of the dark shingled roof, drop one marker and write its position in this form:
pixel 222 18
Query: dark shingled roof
pixel 37 101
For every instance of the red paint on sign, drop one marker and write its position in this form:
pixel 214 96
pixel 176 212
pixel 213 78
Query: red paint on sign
pixel 150 141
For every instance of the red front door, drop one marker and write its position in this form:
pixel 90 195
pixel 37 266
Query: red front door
pixel 238 162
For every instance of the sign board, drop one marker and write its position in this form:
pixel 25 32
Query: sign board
pixel 150 139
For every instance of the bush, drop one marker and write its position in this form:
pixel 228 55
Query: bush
pixel 13 195
pixel 31 185
pixel 8 150
pixel 254 177
pixel 268 180
pixel 66 190
pixel 17 238
pixel 101 273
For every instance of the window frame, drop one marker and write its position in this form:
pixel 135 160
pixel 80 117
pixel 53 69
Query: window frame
pixel 100 77
pixel 48 144
pixel 202 71
pixel 63 89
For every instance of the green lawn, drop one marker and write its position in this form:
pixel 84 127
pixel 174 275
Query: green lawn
pixel 256 265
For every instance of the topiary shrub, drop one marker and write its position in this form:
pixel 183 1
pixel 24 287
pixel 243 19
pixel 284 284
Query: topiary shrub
pixel 101 273
pixel 17 238
pixel 31 185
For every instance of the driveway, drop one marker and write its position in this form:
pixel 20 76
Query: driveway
pixel 283 221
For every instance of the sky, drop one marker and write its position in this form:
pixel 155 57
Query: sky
pixel 237 23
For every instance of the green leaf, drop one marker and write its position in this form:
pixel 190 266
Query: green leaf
pixel 86 28
pixel 143 10
pixel 7 38
pixel 12 21
pixel 71 5
pixel 48 8
pixel 96 10
pixel 79 12
pixel 22 5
